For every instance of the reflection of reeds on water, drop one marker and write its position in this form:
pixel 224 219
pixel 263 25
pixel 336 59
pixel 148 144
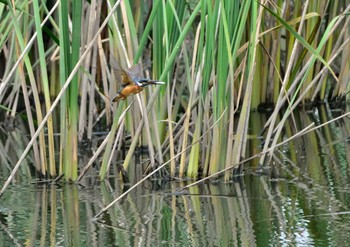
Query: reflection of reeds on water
pixel 204 216
pixel 296 206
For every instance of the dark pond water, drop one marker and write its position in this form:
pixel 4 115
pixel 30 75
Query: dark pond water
pixel 308 204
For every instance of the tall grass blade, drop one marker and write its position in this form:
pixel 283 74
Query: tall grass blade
pixel 45 84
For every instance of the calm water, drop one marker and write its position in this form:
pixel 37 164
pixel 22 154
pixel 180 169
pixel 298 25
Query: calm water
pixel 308 204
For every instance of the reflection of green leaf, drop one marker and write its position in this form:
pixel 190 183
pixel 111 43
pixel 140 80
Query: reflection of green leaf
pixel 301 39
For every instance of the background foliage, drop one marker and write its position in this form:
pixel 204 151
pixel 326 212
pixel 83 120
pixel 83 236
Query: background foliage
pixel 220 60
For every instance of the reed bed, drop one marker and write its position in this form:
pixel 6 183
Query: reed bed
pixel 220 60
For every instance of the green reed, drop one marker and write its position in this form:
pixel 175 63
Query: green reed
pixel 69 55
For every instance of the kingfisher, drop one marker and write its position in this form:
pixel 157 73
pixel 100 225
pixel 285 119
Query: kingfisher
pixel 130 82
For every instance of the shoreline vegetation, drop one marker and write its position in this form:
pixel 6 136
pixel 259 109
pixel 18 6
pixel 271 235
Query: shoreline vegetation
pixel 220 61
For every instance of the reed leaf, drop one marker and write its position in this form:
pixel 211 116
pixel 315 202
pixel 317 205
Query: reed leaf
pixel 301 40
pixel 42 163
pixel 45 83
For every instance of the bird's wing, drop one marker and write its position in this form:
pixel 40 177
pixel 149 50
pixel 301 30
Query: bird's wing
pixel 133 73
pixel 116 70
pixel 125 76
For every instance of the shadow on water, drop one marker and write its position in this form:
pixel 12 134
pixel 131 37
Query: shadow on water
pixel 305 204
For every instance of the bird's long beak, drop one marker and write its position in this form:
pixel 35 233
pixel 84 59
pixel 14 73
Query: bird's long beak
pixel 159 82
pixel 151 82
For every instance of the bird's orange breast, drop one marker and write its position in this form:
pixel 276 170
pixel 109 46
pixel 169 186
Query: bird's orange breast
pixel 131 89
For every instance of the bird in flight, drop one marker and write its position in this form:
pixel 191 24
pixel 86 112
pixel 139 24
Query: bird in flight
pixel 130 81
